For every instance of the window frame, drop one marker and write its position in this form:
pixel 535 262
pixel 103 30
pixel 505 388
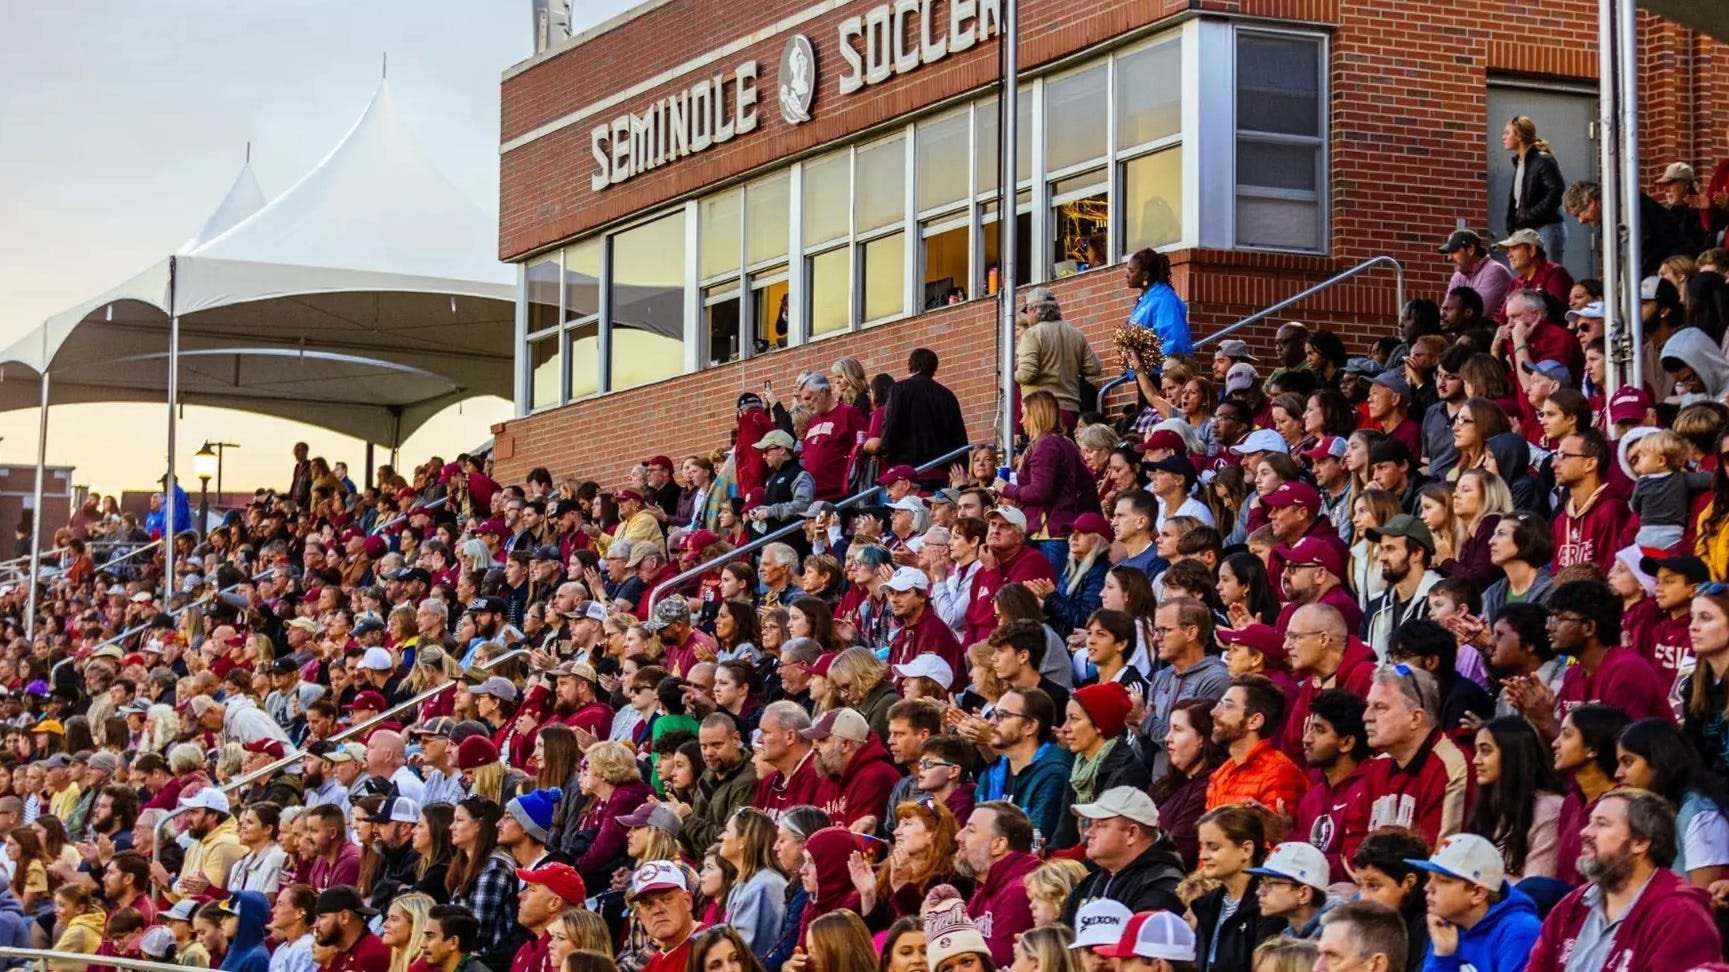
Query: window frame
pixel 1321 197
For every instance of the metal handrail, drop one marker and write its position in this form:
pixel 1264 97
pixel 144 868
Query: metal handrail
pixel 675 580
pixel 42 956
pixel 402 517
pixel 55 571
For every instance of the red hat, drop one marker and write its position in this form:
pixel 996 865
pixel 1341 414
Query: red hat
pixel 1629 404
pixel 1107 704
pixel 352 533
pixel 475 752
pixel 822 663
pixel 377 547
pixel 1165 439
pixel 494 527
pixel 561 879
pixel 660 461
pixel 1328 447
pixel 368 700
pixel 894 474
pixel 269 747
pixel 133 659
pixel 698 539
pixel 1091 523
pixel 1312 550
pixel 1264 638
pixel 1294 494
pixel 628 494
pixel 406 493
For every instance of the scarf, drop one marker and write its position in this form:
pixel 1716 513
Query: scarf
pixel 1084 778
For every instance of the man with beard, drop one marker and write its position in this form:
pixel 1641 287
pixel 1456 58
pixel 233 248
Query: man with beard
pixel 335 860
pixel 216 844
pixel 1588 526
pixel 1313 572
pixel 856 773
pixel 341 925
pixel 1333 815
pixel 392 826
pixel 1405 548
pixel 995 849
pixel 727 783
pixel 126 884
pixel 487 614
pixel 438 761
pixel 577 704
pixel 112 816
pixel 526 827
pixel 1245 721
pixel 1635 913
pixel 322 786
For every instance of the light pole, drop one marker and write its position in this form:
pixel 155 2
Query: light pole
pixel 205 464
pixel 220 455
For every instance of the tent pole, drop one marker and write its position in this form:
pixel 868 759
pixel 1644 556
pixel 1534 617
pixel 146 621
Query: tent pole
pixel 1630 355
pixel 1007 223
pixel 168 497
pixel 368 480
pixel 36 512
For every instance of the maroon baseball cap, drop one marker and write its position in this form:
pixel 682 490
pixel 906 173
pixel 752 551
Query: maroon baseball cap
pixel 1329 447
pixel 628 494
pixel 1629 404
pixel 1294 494
pixel 822 663
pixel 1312 550
pixel 1091 523
pixel 1165 439
pixel 493 527
pixel 1264 638
pixel 368 700
pixel 896 473
pixel 660 461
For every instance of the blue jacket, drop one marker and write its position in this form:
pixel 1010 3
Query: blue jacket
pixel 1161 309
pixel 1041 788
pixel 1501 942
pixel 1071 613
pixel 246 953
pixel 14 925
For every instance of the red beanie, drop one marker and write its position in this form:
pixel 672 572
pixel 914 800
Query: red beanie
pixel 1107 705
pixel 475 752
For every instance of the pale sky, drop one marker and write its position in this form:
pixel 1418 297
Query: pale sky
pixel 122 124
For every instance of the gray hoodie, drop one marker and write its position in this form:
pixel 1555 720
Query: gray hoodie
pixel 1692 347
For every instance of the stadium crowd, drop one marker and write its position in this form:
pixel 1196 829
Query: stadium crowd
pixel 1408 659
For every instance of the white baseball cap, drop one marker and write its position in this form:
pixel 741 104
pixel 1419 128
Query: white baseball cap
pixel 907 579
pixel 1261 440
pixel 1467 857
pixel 911 504
pixel 1010 515
pixel 1296 861
pixel 1155 935
pixel 377 659
pixel 207 798
pixel 1241 377
pixel 1100 922
pixel 1129 802
pixel 928 666
pixel 657 876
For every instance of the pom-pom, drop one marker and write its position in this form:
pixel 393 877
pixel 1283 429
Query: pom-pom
pixel 1134 342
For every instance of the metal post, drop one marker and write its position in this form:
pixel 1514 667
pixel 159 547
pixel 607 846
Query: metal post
pixel 1009 104
pixel 1609 219
pixel 368 480
pixel 1627 25
pixel 36 511
pixel 168 524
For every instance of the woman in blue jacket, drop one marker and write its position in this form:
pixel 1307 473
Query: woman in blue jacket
pixel 1159 307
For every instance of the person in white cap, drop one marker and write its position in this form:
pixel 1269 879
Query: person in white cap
pixel 216 845
pixel 1137 863
pixel 660 899
pixel 1153 941
pixel 236 719
pixel 921 633
pixel 1099 924
pixel 1475 917
pixel 1016 563
pixel 1293 887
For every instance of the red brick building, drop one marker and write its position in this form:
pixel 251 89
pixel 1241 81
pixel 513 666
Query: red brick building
pixel 704 194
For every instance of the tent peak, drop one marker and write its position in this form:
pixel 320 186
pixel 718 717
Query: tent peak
pixel 243 198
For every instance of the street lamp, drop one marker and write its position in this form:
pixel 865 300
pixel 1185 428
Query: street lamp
pixel 204 465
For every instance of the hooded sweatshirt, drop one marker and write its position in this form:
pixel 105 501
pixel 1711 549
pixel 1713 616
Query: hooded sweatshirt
pixel 1513 461
pixel 1668 929
pixel 1000 907
pixel 1500 941
pixel 863 787
pixel 246 951
pixel 1147 883
pixel 14 925
pixel 82 934
pixel 1040 789
pixel 1694 348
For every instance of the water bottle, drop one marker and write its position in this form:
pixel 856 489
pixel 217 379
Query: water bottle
pixel 1038 843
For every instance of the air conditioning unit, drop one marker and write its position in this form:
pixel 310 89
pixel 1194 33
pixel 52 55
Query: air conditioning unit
pixel 551 23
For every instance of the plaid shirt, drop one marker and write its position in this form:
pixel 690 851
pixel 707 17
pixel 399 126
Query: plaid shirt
pixel 493 900
pixel 1266 777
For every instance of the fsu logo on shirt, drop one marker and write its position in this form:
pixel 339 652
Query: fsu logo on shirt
pixel 1393 810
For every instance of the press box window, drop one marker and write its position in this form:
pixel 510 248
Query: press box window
pixel 648 281
pixel 1280 142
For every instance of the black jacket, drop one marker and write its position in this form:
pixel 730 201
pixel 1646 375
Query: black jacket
pixel 921 421
pixel 1540 202
pixel 1236 936
pixel 396 874
pixel 1148 883
pixel 1122 767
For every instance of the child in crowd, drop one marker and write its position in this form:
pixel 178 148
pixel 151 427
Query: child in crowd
pixel 1669 647
pixel 1635 588
pixel 1664 488
pixel 1457 597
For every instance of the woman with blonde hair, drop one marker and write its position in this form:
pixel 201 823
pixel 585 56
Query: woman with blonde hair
pixel 1480 499
pixel 615 787
pixel 1049 885
pixel 756 902
pixel 981 696
pixel 1534 198
pixel 1051 487
pixel 859 680
pixel 850 385
pixel 1046 948
pixel 80 923
pixel 577 928
pixel 405 928
pixel 1282 953
pixel 1478 421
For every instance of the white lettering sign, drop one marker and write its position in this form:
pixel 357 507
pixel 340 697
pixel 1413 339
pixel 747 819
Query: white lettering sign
pixel 898 36
pixel 710 112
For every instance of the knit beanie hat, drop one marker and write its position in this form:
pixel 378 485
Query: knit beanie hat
pixel 1107 704
pixel 949 930
pixel 534 810
pixel 475 752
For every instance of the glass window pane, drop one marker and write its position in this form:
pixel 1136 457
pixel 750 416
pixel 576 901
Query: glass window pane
pixel 648 302
pixel 882 184
pixel 990 243
pixel 1149 94
pixel 720 309
pixel 831 291
pixel 768 211
pixel 718 245
pixel 885 276
pixel 1074 118
pixel 827 193
pixel 582 279
pixel 941 147
pixel 543 284
pixel 584 359
pixel 1279 223
pixel 1079 233
pixel 986 114
pixel 1278 84
pixel 945 264
pixel 769 312
pixel 1153 200
pixel 544 365
pixel 1276 166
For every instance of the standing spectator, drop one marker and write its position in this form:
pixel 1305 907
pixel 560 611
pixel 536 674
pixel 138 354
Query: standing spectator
pixel 1474 269
pixel 1158 306
pixel 835 429
pixel 1054 486
pixel 922 420
pixel 1660 237
pixel 1052 355
pixel 1534 200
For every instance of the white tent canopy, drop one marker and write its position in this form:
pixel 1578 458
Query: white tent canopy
pixel 365 299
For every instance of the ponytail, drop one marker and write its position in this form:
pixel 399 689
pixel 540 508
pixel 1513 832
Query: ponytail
pixel 1157 265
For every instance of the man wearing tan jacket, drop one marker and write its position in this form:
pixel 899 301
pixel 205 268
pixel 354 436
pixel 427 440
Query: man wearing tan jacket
pixel 1052 355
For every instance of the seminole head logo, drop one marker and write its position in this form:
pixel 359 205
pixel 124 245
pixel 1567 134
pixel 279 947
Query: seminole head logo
pixel 797 79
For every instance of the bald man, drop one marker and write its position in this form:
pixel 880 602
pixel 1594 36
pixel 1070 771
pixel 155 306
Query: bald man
pixel 1324 654
pixel 387 759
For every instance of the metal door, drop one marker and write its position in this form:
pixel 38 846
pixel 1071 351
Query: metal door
pixel 1566 118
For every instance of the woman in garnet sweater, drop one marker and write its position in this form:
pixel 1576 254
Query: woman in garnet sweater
pixel 1054 486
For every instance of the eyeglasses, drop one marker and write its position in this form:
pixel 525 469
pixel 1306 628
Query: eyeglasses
pixel 998 715
pixel 926 764
pixel 1464 420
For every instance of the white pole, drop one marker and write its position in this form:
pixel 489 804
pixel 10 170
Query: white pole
pixel 1609 219
pixel 168 524
pixel 1627 24
pixel 1009 105
pixel 36 511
